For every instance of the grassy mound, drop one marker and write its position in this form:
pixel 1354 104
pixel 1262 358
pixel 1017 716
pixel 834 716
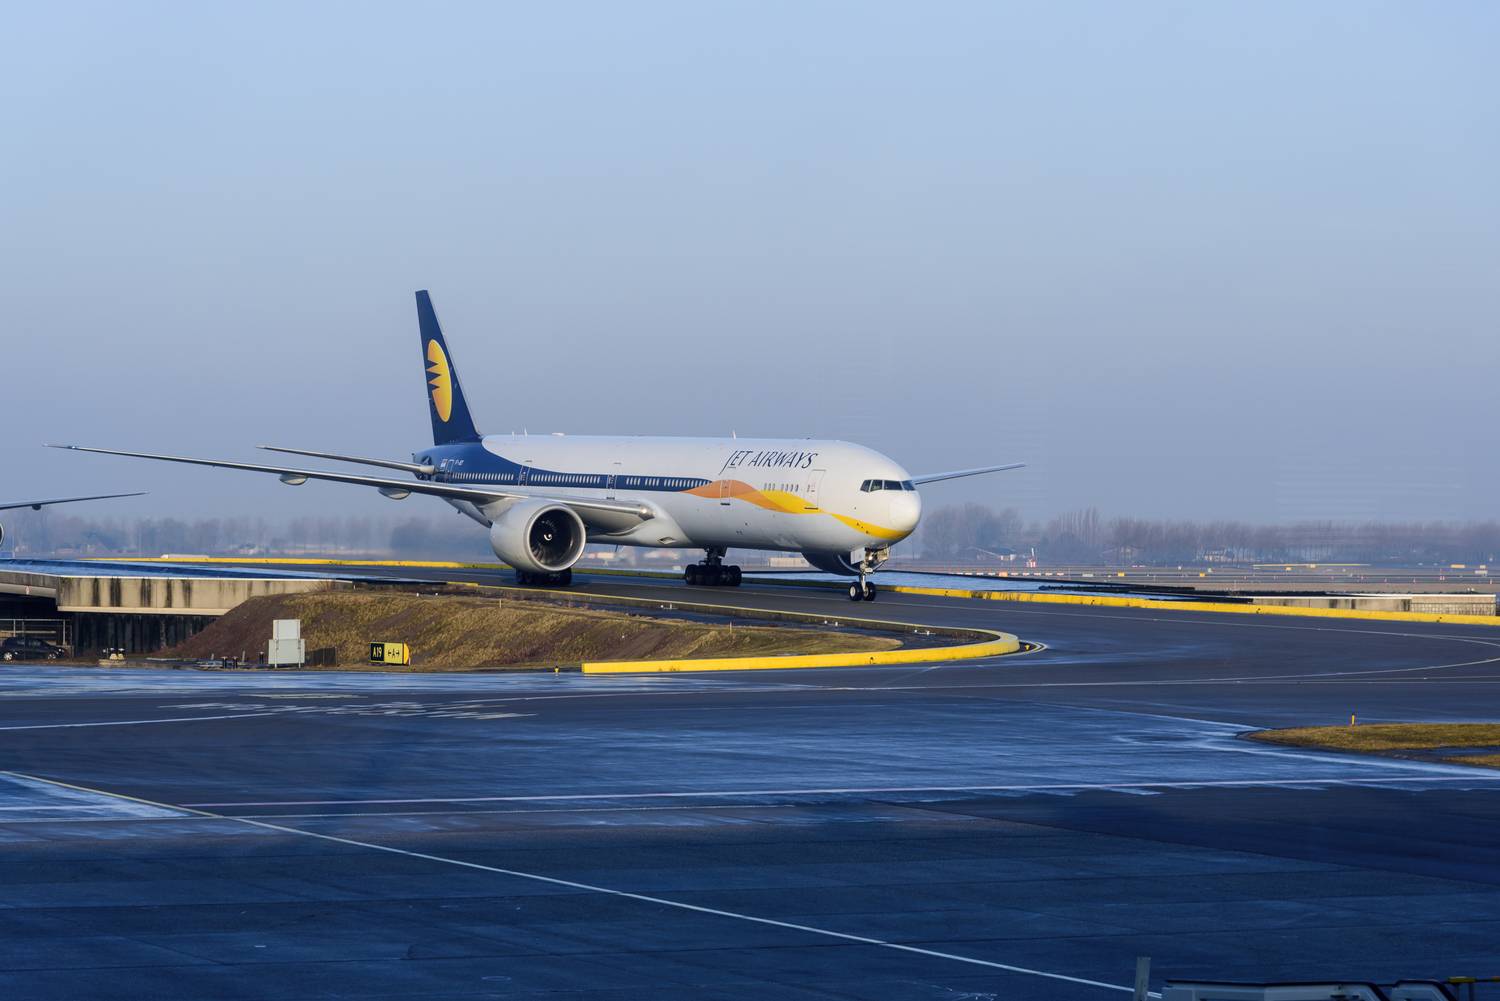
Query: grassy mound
pixel 1394 738
pixel 462 633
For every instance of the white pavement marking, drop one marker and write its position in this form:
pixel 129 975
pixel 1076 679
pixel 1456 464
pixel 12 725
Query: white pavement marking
pixel 130 722
pixel 591 811
pixel 1342 780
pixel 591 888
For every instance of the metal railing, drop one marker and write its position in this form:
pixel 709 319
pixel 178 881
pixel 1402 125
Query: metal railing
pixel 57 631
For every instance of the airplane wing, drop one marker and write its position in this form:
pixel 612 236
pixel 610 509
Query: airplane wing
pixel 37 505
pixel 391 487
pixel 410 467
pixel 955 474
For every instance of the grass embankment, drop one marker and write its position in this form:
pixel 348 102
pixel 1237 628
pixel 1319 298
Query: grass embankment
pixel 461 633
pixel 1436 739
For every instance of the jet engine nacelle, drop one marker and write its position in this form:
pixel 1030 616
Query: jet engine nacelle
pixel 539 536
pixel 2 533
pixel 838 563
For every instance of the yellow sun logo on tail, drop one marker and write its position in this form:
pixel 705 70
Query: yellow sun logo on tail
pixel 441 381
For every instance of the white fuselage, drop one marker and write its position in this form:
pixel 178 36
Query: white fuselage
pixel 782 494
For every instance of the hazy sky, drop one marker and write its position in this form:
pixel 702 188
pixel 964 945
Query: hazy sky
pixel 1185 259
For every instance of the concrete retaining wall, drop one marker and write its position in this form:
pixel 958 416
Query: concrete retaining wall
pixel 174 595
pixel 1429 604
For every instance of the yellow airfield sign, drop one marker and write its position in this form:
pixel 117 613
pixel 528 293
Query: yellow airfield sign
pixel 390 653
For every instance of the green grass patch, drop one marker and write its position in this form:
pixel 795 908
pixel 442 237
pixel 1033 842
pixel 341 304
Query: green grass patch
pixel 1382 737
pixel 1478 760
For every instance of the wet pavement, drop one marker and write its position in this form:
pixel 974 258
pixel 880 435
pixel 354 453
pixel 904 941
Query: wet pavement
pixel 1019 828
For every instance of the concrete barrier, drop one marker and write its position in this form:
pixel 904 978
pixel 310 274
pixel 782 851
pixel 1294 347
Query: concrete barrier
pixel 174 595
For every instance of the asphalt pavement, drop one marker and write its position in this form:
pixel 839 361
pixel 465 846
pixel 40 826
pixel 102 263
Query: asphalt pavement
pixel 1021 828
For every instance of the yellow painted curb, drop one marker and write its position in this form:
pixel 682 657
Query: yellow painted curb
pixel 320 561
pixel 299 561
pixel 1110 601
pixel 1003 643
pixel 997 644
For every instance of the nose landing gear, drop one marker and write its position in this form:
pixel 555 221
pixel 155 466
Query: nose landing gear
pixel 863 590
pixel 712 572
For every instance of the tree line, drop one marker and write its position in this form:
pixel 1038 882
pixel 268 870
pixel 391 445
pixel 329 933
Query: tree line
pixel 973 533
pixel 966 533
pixel 53 534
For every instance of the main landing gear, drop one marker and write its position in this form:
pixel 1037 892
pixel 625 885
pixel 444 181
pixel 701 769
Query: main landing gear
pixel 527 578
pixel 712 572
pixel 862 589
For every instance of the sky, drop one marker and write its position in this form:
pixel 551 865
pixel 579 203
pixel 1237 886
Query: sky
pixel 1230 260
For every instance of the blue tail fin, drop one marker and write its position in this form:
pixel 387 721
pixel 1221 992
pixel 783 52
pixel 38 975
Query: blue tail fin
pixel 445 397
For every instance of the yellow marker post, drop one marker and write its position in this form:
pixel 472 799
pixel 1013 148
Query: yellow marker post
pixel 398 654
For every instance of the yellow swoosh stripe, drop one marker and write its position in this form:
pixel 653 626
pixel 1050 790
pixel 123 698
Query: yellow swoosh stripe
pixel 441 381
pixel 880 532
pixel 786 503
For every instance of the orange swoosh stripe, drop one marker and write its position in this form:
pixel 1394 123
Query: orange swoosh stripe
pixel 785 503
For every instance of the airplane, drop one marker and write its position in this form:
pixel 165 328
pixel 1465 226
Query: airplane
pixel 37 505
pixel 543 497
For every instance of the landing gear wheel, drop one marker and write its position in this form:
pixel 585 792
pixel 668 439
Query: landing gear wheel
pixel 856 593
pixel 869 594
pixel 712 575
pixel 529 578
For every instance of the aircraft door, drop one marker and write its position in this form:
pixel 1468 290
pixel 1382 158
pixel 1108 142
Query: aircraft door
pixel 614 481
pixel 814 483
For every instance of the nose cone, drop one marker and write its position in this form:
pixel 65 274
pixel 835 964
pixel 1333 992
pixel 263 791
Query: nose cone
pixel 906 511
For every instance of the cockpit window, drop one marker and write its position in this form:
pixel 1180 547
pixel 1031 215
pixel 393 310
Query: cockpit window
pixel 871 486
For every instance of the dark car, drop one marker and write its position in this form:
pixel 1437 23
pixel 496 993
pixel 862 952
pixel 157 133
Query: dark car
pixel 29 648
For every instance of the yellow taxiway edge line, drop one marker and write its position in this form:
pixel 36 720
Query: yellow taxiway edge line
pixel 1112 601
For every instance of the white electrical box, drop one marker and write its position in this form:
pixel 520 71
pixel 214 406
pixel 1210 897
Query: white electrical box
pixel 287 648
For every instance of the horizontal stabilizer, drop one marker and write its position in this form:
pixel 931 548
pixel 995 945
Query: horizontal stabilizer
pixel 955 474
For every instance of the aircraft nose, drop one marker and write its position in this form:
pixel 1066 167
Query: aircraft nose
pixel 906 511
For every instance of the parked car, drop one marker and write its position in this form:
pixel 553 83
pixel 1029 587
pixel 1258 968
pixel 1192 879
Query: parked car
pixel 29 648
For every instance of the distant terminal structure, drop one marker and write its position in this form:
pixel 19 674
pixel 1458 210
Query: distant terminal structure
pixel 91 606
